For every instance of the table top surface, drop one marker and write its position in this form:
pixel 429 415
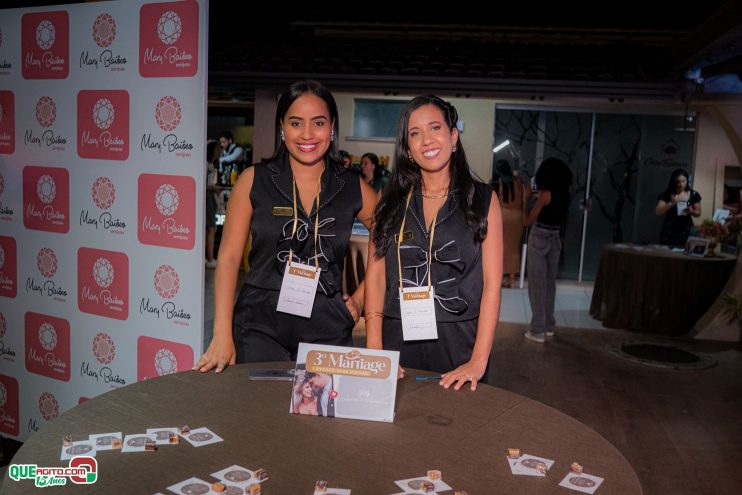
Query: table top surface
pixel 463 434
pixel 656 250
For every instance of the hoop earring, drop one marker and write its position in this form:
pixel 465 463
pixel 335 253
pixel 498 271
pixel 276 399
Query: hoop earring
pixel 282 136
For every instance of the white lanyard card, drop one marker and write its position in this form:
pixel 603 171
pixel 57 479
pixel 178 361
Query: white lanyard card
pixel 298 288
pixel 417 307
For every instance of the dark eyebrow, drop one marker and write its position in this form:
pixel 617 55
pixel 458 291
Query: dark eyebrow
pixel 294 117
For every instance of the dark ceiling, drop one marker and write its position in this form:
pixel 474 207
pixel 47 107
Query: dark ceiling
pixel 620 49
pixel 624 50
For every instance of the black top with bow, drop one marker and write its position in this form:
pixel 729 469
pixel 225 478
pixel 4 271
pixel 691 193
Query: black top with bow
pixel 457 276
pixel 272 200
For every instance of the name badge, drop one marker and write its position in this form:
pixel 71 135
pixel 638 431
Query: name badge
pixel 417 306
pixel 406 236
pixel 298 289
pixel 682 205
pixel 283 211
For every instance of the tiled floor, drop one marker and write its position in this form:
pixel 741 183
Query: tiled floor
pixel 572 306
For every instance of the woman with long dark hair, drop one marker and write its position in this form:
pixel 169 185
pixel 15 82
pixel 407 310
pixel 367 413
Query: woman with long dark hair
pixel 679 204
pixel 436 241
pixel 298 207
pixel 553 180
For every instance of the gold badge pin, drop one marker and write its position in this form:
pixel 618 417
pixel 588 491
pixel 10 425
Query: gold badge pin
pixel 283 211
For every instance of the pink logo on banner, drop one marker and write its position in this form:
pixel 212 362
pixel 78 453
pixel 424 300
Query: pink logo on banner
pixel 45 45
pixel 168 39
pixel 104 193
pixel 3 325
pixel 46 199
pixel 7 122
pixel 9 405
pixel 46 111
pixel 167 211
pixel 46 262
pixel 168 113
pixel 48 406
pixel 47 346
pixel 103 124
pixel 157 357
pixel 8 267
pixel 167 282
pixel 103 283
pixel 104 348
pixel 104 30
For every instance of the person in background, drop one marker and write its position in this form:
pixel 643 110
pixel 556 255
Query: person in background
pixel 445 227
pixel 345 157
pixel 372 171
pixel 512 196
pixel 679 204
pixel 553 180
pixel 298 206
pixel 212 155
pixel 230 157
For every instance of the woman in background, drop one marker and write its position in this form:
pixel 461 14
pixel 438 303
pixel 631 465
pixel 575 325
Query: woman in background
pixel 679 204
pixel 553 180
pixel 512 196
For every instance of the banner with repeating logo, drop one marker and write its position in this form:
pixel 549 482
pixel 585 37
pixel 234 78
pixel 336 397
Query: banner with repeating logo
pixel 102 133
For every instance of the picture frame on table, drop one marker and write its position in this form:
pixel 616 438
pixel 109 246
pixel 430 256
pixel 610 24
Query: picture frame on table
pixel 697 246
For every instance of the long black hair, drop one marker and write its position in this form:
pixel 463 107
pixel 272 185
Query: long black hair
pixel 301 88
pixel 406 174
pixel 672 186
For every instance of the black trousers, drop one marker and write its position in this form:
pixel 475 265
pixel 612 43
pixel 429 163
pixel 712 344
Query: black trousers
pixel 453 347
pixel 263 334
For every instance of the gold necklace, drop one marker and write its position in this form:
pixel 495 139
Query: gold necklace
pixel 439 196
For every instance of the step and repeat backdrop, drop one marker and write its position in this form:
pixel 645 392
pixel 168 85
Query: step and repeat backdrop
pixel 102 137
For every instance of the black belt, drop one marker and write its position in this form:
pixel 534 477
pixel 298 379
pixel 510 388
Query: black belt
pixel 547 227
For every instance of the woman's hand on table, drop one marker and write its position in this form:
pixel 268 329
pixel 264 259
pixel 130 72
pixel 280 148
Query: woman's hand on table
pixel 220 354
pixel 468 372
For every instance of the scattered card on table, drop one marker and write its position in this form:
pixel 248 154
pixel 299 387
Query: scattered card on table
pixel 581 482
pixel 164 436
pixel 107 441
pixel 82 447
pixel 193 486
pixel 422 484
pixel 335 491
pixel 139 442
pixel 202 436
pixel 530 465
pixel 237 475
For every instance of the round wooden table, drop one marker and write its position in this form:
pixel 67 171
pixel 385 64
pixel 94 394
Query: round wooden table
pixel 463 434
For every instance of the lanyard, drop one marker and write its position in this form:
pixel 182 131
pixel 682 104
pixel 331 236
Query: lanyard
pixel 430 244
pixel 316 221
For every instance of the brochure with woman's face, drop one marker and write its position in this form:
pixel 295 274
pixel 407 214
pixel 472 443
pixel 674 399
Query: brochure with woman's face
pixel 345 382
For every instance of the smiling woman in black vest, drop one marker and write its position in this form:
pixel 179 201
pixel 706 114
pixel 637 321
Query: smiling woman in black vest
pixel 297 206
pixel 451 230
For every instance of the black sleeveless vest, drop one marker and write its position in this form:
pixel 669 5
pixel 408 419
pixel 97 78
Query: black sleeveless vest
pixel 457 259
pixel 340 202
